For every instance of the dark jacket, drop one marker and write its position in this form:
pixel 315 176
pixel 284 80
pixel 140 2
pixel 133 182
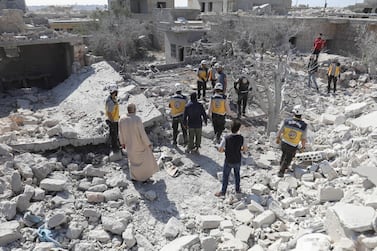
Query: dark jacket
pixel 194 115
pixel 312 66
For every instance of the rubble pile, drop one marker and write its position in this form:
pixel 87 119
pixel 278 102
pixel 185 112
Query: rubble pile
pixel 77 199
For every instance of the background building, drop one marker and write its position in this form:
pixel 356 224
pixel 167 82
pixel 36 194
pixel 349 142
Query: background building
pixel 13 4
pixel 141 6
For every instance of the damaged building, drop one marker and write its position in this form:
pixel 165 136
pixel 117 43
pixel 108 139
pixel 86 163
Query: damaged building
pixel 280 7
pixel 30 58
pixel 141 6
pixel 41 63
pixel 13 4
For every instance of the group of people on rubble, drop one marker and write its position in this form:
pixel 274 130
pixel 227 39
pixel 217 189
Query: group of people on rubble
pixel 333 71
pixel 190 116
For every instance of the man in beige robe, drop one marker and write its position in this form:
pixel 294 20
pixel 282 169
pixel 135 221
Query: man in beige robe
pixel 132 137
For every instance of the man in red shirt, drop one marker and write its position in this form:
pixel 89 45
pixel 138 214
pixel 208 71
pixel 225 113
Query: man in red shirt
pixel 319 44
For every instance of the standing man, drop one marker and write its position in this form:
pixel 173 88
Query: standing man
pixel 232 144
pixel 292 132
pixel 218 108
pixel 202 75
pixel 312 71
pixel 242 87
pixel 177 105
pixel 212 73
pixel 221 76
pixel 193 118
pixel 133 137
pixel 112 114
pixel 319 44
pixel 333 73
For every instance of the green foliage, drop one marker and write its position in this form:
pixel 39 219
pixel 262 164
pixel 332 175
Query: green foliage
pixel 116 36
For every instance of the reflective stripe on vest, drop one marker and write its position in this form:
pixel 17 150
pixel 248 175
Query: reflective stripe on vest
pixel 177 105
pixel 293 131
pixel 218 105
pixel 114 114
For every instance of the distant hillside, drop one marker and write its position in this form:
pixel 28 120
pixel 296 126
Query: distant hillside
pixel 75 7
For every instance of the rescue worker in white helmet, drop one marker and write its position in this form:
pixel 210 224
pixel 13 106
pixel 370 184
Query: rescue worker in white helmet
pixel 242 87
pixel 202 74
pixel 291 134
pixel 218 108
pixel 112 114
pixel 177 105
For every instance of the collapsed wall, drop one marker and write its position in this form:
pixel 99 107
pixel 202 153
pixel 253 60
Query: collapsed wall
pixel 72 113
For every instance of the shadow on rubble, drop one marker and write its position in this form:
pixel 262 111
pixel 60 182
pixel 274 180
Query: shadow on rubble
pixel 161 208
pixel 35 98
pixel 205 163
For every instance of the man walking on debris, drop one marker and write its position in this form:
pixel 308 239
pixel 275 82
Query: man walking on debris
pixel 242 87
pixel 193 118
pixel 221 76
pixel 212 73
pixel 177 105
pixel 202 74
pixel 312 70
pixel 333 74
pixel 232 144
pixel 319 44
pixel 218 108
pixel 112 114
pixel 292 132
pixel 133 137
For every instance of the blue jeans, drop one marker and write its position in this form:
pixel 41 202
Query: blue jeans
pixel 312 79
pixel 226 172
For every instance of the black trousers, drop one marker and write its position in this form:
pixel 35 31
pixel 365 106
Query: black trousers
pixel 114 138
pixel 213 83
pixel 334 80
pixel 242 102
pixel 218 122
pixel 176 122
pixel 286 158
pixel 201 86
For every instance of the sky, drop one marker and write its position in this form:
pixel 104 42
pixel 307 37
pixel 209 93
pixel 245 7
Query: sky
pixel 312 3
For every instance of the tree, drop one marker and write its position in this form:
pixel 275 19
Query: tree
pixel 274 35
pixel 116 36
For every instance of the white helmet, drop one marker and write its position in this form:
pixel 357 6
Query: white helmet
pixel 213 60
pixel 217 66
pixel 219 86
pixel 204 62
pixel 298 110
pixel 113 88
pixel 178 87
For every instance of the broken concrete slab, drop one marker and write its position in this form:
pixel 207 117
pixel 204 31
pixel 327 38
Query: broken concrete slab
pixel 209 221
pixel 330 194
pixel 344 220
pixel 368 171
pixel 181 243
pixel 365 121
pixel 84 126
pixel 354 109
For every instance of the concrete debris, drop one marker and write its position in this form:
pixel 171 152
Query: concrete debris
pixel 344 220
pixel 83 193
pixel 182 243
pixel 330 194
